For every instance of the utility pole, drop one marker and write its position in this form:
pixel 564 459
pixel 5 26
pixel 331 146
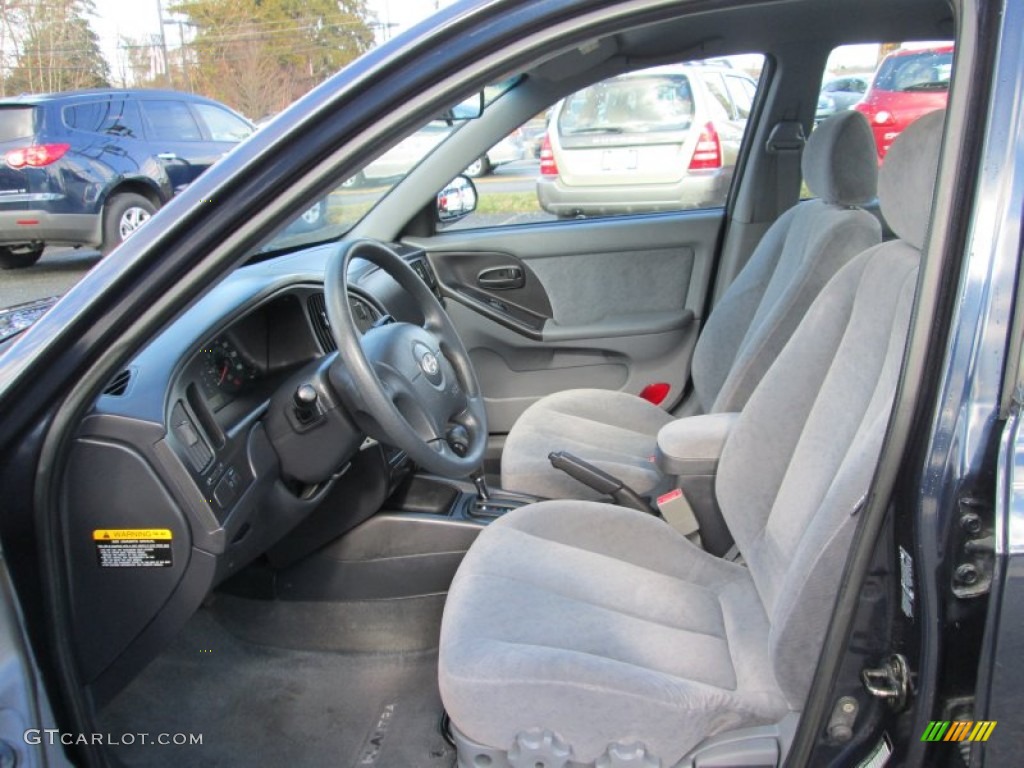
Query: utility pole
pixel 186 73
pixel 163 42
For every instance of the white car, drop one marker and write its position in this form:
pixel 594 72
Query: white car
pixel 403 156
pixel 658 139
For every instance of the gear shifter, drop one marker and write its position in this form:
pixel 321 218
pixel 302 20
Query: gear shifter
pixel 487 505
pixel 483 493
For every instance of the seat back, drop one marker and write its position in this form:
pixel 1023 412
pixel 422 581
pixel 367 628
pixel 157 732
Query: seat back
pixel 802 453
pixel 796 257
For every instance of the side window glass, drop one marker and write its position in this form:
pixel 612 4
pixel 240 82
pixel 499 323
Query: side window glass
pixel 221 124
pixel 890 83
pixel 113 117
pixel 170 120
pixel 660 139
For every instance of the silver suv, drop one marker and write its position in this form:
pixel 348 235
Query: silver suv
pixel 660 139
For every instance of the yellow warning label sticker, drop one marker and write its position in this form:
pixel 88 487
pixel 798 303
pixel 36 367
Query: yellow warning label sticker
pixel 133 547
pixel 123 534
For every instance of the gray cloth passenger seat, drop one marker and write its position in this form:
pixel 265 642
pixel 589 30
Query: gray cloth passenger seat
pixel 588 634
pixel 743 335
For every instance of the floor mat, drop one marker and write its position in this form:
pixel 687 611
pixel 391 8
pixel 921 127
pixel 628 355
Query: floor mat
pixel 260 705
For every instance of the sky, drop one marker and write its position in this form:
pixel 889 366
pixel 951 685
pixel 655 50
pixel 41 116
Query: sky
pixel 116 19
pixel 139 18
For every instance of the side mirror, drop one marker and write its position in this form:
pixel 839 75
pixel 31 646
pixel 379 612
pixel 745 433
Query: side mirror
pixel 456 201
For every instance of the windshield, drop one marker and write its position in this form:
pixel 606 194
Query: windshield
pixel 217 72
pixel 338 211
pixel 924 71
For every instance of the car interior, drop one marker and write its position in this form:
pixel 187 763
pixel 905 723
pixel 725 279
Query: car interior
pixel 393 499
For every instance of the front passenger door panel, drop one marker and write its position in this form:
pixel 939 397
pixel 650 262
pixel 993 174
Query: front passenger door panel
pixel 601 303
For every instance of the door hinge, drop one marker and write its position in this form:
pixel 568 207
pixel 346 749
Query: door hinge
pixel 975 549
pixel 890 681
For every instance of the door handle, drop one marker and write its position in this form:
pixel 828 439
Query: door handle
pixel 167 156
pixel 501 278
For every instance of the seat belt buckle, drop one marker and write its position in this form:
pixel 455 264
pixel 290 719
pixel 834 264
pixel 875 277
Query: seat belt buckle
pixel 677 511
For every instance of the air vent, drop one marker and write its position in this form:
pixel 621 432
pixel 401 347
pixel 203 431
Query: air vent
pixel 364 315
pixel 317 308
pixel 421 268
pixel 195 448
pixel 119 384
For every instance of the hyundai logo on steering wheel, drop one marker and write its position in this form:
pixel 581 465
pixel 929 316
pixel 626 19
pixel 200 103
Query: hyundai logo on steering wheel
pixel 429 364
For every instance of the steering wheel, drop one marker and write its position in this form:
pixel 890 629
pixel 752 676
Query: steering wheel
pixel 406 385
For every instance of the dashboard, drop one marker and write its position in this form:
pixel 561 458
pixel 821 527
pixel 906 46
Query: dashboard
pixel 195 430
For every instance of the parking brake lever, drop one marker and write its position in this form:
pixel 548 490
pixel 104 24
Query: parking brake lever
pixel 599 480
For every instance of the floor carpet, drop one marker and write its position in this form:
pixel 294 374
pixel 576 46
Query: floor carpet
pixel 270 706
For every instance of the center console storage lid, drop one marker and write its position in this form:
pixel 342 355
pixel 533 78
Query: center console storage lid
pixel 693 445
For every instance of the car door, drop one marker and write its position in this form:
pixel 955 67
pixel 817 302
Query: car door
pixel 609 303
pixel 28 733
pixel 999 696
pixel 179 141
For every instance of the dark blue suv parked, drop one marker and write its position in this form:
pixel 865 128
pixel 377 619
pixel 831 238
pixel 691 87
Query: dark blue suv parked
pixel 89 167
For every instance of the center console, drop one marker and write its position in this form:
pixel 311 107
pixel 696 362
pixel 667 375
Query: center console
pixel 689 450
pixel 455 499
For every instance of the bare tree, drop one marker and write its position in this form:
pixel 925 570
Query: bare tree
pixel 260 55
pixel 52 46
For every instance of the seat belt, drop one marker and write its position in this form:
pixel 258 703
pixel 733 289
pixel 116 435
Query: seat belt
pixel 786 144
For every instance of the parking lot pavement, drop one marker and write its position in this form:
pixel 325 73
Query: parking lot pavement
pixel 52 275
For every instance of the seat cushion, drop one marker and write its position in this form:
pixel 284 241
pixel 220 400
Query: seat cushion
pixel 610 628
pixel 613 430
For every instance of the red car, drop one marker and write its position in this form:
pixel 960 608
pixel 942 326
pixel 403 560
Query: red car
pixel 909 83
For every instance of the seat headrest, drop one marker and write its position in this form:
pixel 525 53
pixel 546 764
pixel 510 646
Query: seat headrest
pixel 906 183
pixel 840 163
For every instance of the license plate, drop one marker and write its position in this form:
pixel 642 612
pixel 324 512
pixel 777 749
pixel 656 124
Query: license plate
pixel 618 160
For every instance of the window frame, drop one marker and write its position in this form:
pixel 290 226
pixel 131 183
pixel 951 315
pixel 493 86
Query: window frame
pixel 127 107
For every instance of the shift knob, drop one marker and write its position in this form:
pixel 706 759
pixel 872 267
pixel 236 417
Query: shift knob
pixel 305 395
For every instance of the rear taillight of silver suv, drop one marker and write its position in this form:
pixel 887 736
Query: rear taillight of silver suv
pixel 548 166
pixel 707 155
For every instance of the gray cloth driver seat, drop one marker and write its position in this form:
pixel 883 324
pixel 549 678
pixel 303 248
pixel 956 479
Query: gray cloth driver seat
pixel 751 323
pixel 582 632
